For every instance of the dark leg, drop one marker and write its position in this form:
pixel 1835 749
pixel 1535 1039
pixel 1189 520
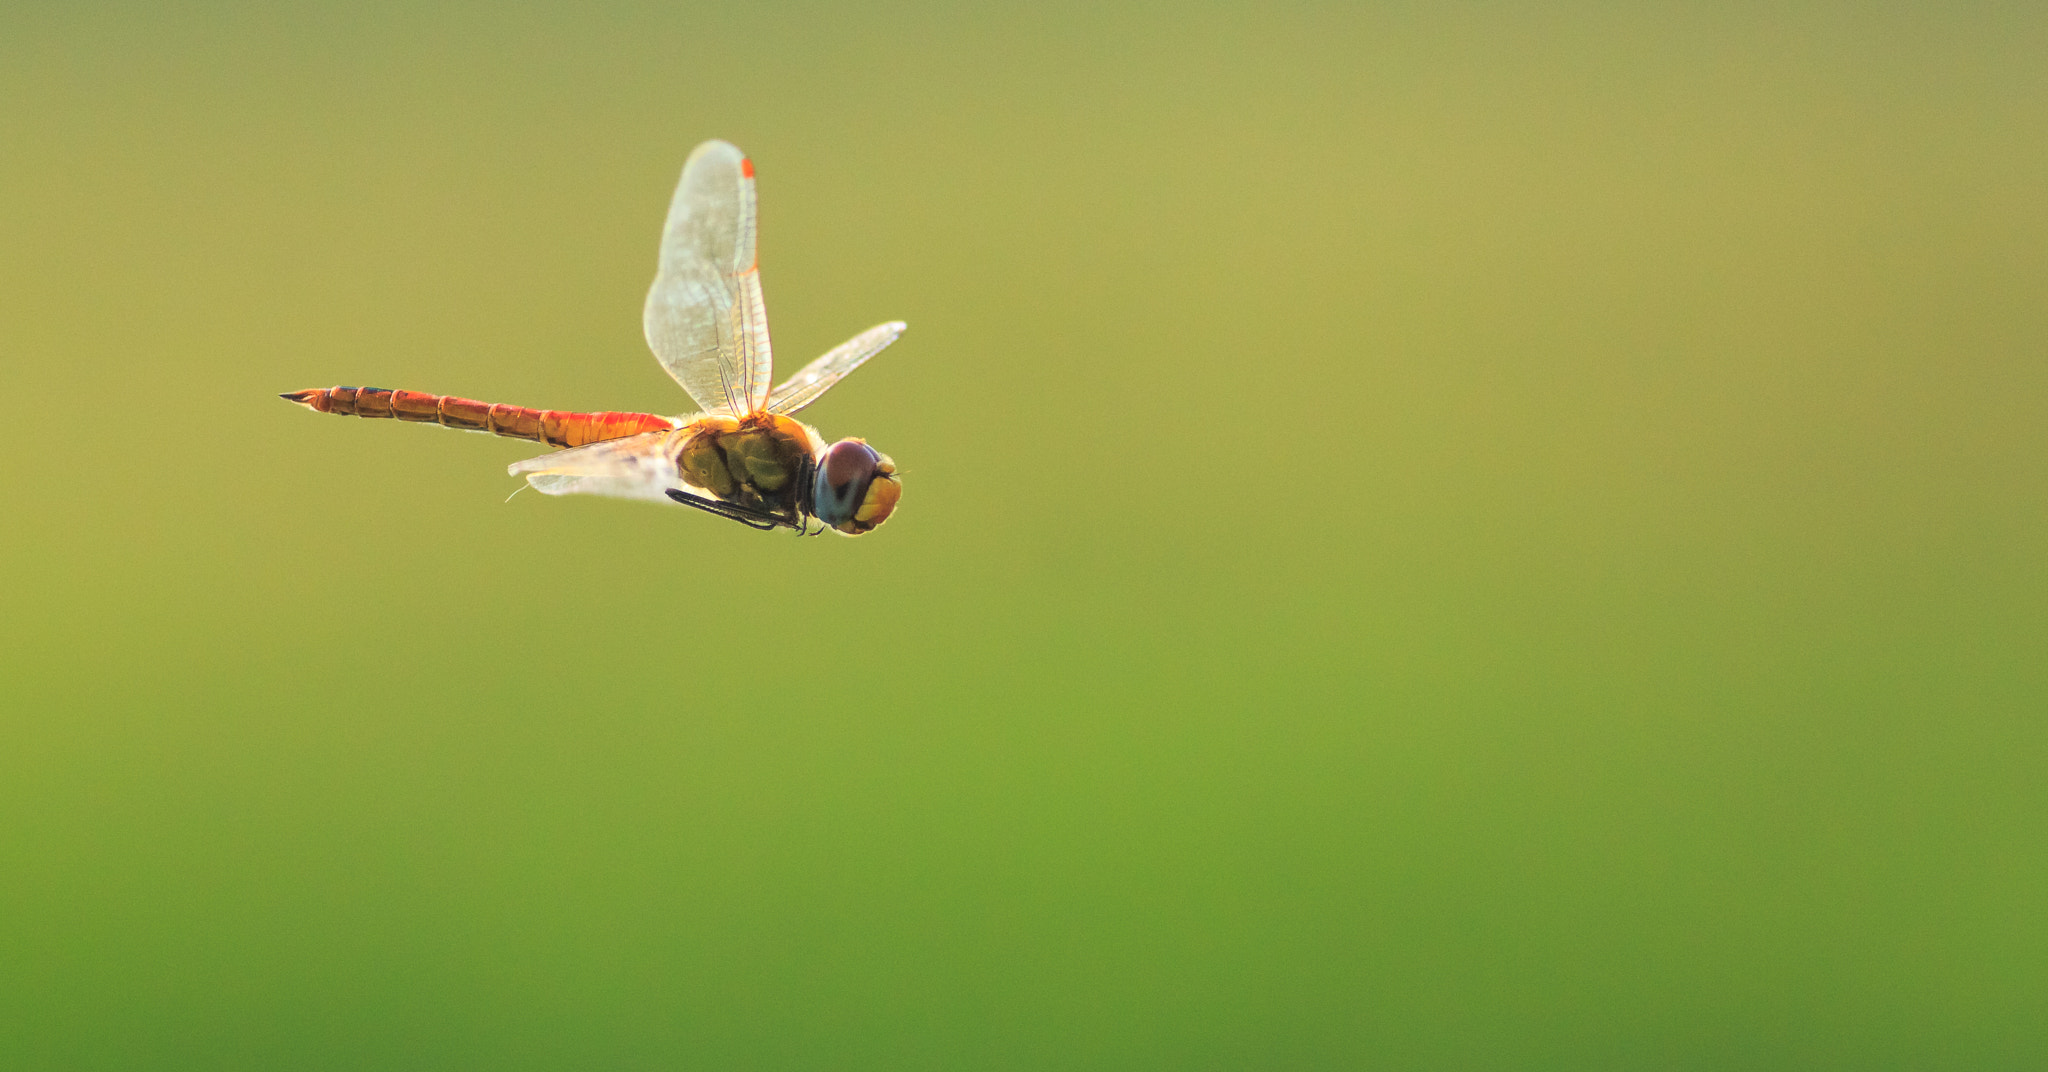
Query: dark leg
pixel 752 519
pixel 805 482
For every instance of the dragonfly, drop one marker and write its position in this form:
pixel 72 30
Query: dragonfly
pixel 742 456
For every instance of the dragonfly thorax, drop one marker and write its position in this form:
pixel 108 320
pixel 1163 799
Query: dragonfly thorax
pixel 757 462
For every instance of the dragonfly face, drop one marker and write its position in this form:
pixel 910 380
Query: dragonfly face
pixel 855 488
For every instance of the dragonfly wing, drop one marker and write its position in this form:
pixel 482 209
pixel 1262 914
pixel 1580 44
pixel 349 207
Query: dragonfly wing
pixel 705 319
pixel 813 379
pixel 636 467
pixel 555 484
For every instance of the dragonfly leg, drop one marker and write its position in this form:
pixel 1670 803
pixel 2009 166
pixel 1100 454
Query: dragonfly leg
pixel 752 519
pixel 805 481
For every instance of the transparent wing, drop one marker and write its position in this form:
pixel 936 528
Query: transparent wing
pixel 553 484
pixel 705 319
pixel 636 467
pixel 813 379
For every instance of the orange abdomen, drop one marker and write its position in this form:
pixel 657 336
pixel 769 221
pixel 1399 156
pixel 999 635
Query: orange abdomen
pixel 550 426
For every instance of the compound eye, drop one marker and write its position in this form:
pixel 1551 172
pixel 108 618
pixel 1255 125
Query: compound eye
pixel 844 473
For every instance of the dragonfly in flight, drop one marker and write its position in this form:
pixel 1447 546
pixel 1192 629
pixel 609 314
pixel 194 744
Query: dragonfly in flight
pixel 743 456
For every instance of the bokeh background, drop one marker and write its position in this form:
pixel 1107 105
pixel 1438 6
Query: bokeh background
pixel 1435 537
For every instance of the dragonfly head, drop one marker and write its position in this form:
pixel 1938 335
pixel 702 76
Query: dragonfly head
pixel 856 487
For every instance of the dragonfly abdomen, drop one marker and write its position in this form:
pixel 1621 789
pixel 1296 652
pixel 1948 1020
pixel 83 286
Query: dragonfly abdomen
pixel 551 426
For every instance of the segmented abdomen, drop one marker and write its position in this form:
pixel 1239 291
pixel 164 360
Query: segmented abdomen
pixel 550 426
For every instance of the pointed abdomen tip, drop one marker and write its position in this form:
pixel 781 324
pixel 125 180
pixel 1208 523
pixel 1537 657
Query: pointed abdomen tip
pixel 308 398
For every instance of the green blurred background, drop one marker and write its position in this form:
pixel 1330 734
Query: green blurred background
pixel 1434 537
